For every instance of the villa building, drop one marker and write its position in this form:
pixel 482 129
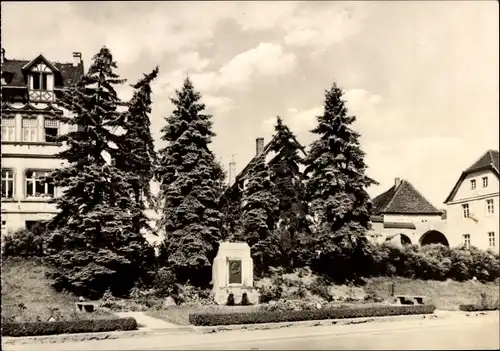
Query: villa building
pixel 472 205
pixel 30 121
pixel 403 216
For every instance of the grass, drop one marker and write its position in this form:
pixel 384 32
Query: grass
pixel 24 284
pixel 445 295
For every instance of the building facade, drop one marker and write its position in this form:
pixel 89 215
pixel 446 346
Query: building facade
pixel 403 216
pixel 30 122
pixel 472 205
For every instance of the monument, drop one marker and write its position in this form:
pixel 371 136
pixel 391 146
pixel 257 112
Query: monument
pixel 232 273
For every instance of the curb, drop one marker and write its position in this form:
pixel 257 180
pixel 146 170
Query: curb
pixel 61 338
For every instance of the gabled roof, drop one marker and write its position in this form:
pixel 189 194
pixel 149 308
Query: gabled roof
pixel 36 59
pixel 265 150
pixel 488 161
pixel 66 73
pixel 403 199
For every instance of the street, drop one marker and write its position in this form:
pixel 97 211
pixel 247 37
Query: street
pixel 478 332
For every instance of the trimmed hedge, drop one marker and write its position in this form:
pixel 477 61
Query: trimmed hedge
pixel 67 327
pixel 212 319
pixel 477 308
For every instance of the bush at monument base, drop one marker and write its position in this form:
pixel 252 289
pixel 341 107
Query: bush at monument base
pixel 212 319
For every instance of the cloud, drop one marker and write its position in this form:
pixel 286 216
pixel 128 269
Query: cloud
pixel 266 59
pixel 191 60
pixel 218 103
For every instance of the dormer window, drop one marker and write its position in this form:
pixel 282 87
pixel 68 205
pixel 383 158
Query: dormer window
pixel 40 81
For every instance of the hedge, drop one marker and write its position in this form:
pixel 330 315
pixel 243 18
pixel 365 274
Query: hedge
pixel 477 308
pixel 212 319
pixel 67 327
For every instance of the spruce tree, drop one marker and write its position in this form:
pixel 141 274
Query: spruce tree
pixel 289 188
pixel 191 181
pixel 92 243
pixel 136 154
pixel 259 217
pixel 336 189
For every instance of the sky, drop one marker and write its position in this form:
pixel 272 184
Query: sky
pixel 422 78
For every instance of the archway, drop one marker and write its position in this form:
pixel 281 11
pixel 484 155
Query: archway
pixel 433 237
pixel 405 239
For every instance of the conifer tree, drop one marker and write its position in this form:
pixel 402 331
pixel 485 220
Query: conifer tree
pixel 136 154
pixel 289 188
pixel 92 243
pixel 191 181
pixel 259 216
pixel 336 189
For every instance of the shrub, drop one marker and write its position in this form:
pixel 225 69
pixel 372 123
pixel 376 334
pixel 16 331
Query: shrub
pixel 212 319
pixel 68 327
pixel 478 307
pixel 25 243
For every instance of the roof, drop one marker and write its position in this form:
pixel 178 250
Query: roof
pixel 403 199
pixel 67 75
pixel 264 151
pixel 488 161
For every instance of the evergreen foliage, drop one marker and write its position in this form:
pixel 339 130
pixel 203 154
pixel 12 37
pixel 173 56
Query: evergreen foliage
pixel 136 154
pixel 92 242
pixel 191 182
pixel 259 217
pixel 289 188
pixel 336 187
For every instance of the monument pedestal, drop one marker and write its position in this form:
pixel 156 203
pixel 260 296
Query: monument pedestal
pixel 232 273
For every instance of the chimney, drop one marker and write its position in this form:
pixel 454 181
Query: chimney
pixel 77 58
pixel 232 172
pixel 259 145
pixel 3 54
pixel 397 181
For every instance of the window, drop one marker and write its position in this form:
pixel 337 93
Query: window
pixel 51 130
pixel 465 208
pixel 40 81
pixel 491 239
pixel 30 126
pixel 485 182
pixel 466 240
pixel 30 224
pixel 8 128
pixel 7 184
pixel 473 184
pixel 490 206
pixel 36 186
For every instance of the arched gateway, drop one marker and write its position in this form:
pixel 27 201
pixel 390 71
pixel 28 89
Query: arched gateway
pixel 433 237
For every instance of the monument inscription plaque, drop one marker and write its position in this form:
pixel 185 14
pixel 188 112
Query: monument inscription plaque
pixel 234 272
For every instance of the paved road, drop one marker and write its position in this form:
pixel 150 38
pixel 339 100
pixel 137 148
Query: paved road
pixel 460 333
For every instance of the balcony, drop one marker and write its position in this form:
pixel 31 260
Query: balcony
pixel 41 96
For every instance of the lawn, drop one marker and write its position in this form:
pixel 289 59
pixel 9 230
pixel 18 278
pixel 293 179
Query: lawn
pixel 27 295
pixel 445 295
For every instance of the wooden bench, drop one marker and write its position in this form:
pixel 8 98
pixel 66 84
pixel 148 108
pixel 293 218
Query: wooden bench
pixel 86 306
pixel 410 299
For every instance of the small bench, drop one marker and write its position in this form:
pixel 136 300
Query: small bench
pixel 86 306
pixel 410 299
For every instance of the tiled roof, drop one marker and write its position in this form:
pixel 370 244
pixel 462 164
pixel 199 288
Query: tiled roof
pixel 404 198
pixel 67 75
pixel 489 160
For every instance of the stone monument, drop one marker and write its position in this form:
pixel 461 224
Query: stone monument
pixel 232 273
